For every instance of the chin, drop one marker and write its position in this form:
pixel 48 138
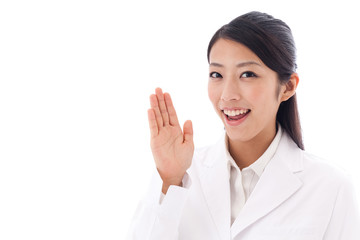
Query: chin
pixel 238 134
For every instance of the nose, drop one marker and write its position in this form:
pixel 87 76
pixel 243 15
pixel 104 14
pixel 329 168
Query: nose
pixel 230 90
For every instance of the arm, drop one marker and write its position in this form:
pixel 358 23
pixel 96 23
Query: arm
pixel 172 150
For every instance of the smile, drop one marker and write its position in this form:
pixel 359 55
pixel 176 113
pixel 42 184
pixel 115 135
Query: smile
pixel 235 117
pixel 233 113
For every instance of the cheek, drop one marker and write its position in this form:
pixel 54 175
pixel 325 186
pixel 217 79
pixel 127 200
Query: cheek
pixel 213 94
pixel 256 95
pixel 266 103
pixel 262 98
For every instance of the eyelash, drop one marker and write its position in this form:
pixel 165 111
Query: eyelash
pixel 250 73
pixel 247 72
pixel 211 74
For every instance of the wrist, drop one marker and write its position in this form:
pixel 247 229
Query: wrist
pixel 167 184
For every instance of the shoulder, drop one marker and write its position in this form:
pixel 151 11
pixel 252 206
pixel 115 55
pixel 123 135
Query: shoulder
pixel 325 180
pixel 323 172
pixel 324 166
pixel 310 167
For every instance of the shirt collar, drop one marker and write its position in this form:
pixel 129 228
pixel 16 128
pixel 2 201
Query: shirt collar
pixel 259 165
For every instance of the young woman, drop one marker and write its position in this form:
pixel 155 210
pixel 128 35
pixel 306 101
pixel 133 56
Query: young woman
pixel 257 182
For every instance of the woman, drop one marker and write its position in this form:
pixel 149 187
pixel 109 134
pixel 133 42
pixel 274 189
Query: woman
pixel 257 182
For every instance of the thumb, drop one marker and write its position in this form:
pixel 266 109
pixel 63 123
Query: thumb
pixel 188 131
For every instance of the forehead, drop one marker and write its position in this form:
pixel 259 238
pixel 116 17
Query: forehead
pixel 230 52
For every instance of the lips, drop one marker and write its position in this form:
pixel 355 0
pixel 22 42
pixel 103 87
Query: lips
pixel 235 117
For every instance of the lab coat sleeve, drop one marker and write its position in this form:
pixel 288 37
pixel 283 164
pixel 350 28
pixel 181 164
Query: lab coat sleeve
pixel 156 218
pixel 345 220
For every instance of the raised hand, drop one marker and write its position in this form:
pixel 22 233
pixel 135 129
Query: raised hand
pixel 171 147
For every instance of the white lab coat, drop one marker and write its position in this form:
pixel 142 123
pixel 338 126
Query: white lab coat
pixel 298 196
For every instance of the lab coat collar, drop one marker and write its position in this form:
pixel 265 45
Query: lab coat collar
pixel 277 183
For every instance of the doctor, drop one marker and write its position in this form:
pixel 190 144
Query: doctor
pixel 256 182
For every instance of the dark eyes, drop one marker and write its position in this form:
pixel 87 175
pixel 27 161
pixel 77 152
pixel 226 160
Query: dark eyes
pixel 243 75
pixel 215 75
pixel 248 74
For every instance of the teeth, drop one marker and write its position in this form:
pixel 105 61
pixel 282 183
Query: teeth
pixel 233 113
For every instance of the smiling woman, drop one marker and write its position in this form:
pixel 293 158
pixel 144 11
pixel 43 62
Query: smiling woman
pixel 257 181
pixel 245 82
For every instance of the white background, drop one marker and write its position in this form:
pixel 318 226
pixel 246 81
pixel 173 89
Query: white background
pixel 75 81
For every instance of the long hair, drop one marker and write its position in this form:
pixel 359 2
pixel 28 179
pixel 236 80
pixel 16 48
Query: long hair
pixel 272 41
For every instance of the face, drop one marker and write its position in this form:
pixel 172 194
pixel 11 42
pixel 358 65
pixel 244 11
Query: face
pixel 243 91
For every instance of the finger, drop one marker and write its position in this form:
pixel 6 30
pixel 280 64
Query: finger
pixel 188 131
pixel 173 119
pixel 162 105
pixel 152 123
pixel 155 106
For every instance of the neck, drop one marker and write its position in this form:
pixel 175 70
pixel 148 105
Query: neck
pixel 246 153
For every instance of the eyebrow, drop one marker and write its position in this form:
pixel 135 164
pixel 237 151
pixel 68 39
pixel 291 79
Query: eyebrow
pixel 243 64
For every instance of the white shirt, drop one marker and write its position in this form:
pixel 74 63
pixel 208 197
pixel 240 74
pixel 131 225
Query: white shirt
pixel 242 183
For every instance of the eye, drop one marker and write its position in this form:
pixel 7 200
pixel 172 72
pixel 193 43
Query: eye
pixel 248 75
pixel 215 75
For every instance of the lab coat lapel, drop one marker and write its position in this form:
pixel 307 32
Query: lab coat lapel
pixel 277 183
pixel 216 188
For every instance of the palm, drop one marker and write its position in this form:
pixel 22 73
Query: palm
pixel 172 149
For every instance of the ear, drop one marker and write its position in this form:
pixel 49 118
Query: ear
pixel 288 90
